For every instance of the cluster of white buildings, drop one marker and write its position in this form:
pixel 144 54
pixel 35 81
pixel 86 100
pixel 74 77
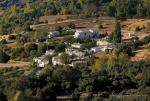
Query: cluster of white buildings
pixel 43 61
pixel 102 45
pixel 86 34
pixel 76 56
pixel 80 34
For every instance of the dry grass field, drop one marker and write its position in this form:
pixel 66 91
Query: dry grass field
pixel 141 55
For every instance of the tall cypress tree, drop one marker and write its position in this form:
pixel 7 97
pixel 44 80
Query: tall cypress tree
pixel 117 37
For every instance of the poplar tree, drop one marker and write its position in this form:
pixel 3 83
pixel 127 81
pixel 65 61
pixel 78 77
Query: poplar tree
pixel 117 37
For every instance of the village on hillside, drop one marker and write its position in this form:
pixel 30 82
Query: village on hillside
pixel 74 50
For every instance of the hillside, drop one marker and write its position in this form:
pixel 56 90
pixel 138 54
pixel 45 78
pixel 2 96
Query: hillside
pixel 74 50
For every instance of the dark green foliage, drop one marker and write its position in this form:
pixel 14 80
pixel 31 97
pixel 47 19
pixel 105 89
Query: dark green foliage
pixel 136 44
pixel 116 36
pixel 64 80
pixel 88 44
pixel 2 97
pixel 11 37
pixel 4 57
pixel 117 33
pixel 30 47
pixel 72 26
pixel 124 48
pixel 117 8
pixel 18 53
pixel 60 47
pixel 21 39
pixel 3 41
pixel 42 48
pixel 59 29
pixel 128 8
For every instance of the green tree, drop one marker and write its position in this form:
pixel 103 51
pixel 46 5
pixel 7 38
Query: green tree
pixel 30 46
pixel 123 58
pixel 117 37
pixel 64 58
pixel 60 48
pixel 72 25
pixel 111 62
pixel 42 48
pixel 4 57
pixel 2 96
pixel 101 63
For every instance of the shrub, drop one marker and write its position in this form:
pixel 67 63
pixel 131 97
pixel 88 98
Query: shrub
pixel 3 41
pixel 30 47
pixel 11 37
pixel 72 25
pixel 4 57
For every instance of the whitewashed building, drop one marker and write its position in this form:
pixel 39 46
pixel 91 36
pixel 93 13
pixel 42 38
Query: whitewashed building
pixel 41 61
pixel 77 63
pixel 56 61
pixel 102 43
pixel 101 48
pixel 75 53
pixel 86 34
pixel 53 34
pixel 76 45
pixel 96 49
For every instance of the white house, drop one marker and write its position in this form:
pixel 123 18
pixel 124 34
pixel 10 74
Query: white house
pixel 86 34
pixel 101 48
pixel 76 45
pixel 49 52
pixel 79 54
pixel 41 61
pixel 69 51
pixel 75 52
pixel 96 49
pixel 103 43
pixel 53 34
pixel 56 61
pixel 76 63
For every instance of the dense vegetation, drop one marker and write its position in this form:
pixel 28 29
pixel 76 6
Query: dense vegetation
pixel 18 18
pixel 127 78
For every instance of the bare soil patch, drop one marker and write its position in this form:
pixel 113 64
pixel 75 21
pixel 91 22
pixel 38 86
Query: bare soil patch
pixel 141 54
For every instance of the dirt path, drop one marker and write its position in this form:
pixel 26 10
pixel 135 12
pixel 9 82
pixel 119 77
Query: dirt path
pixel 15 64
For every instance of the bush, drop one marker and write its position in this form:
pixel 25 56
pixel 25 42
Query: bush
pixel 72 26
pixel 2 97
pixel 146 40
pixel 59 29
pixel 30 47
pixel 60 48
pixel 4 57
pixel 11 37
pixel 42 48
pixel 3 41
